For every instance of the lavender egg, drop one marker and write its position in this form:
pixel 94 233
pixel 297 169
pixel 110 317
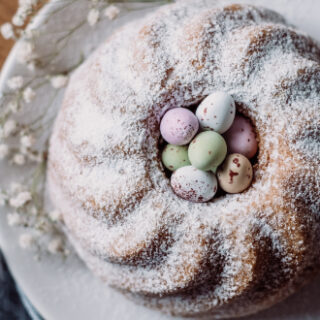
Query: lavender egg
pixel 193 184
pixel 241 138
pixel 178 126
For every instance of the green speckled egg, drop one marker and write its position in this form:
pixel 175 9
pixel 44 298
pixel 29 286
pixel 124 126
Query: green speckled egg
pixel 207 151
pixel 175 157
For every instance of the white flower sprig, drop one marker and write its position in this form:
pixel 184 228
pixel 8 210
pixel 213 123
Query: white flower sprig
pixel 7 31
pixel 93 16
pixel 25 143
pixel 112 12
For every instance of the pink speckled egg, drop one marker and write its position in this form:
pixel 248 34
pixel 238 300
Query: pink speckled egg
pixel 193 184
pixel 241 137
pixel 178 126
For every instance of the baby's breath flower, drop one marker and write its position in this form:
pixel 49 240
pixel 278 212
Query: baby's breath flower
pixel 34 156
pixel 28 94
pixel 93 17
pixel 18 20
pixel 15 83
pixel 31 66
pixel 59 81
pixel 27 141
pixel 9 128
pixel 19 159
pixel 111 12
pixel 20 17
pixel 26 52
pixel 20 199
pixel 26 240
pixel 24 10
pixel 55 215
pixel 7 31
pixel 43 225
pixel 14 219
pixel 13 106
pixel 55 245
pixel 4 151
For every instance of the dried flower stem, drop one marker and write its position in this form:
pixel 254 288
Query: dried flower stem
pixel 18 138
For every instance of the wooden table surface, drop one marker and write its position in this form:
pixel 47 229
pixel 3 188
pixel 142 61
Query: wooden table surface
pixel 7 10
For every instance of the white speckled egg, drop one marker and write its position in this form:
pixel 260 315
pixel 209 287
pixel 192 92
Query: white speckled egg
pixel 216 112
pixel 193 184
pixel 235 174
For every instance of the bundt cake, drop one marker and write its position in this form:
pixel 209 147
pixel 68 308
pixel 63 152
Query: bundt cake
pixel 238 253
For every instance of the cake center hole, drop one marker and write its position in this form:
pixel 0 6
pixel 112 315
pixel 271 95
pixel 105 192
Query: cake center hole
pixel 208 149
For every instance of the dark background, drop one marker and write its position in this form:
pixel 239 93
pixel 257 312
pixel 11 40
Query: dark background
pixel 11 307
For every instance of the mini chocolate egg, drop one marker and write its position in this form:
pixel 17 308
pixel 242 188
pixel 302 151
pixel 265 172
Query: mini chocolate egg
pixel 178 126
pixel 216 112
pixel 241 137
pixel 207 150
pixel 175 157
pixel 193 184
pixel 235 174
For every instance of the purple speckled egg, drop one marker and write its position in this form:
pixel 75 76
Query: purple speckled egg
pixel 193 184
pixel 241 137
pixel 178 126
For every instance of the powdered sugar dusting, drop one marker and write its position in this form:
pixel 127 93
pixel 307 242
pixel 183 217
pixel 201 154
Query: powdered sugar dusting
pixel 238 253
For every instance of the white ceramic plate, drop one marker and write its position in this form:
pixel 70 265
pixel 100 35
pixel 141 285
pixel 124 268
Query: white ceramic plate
pixel 65 289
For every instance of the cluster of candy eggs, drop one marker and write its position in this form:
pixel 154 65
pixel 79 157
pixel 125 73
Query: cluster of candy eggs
pixel 199 161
